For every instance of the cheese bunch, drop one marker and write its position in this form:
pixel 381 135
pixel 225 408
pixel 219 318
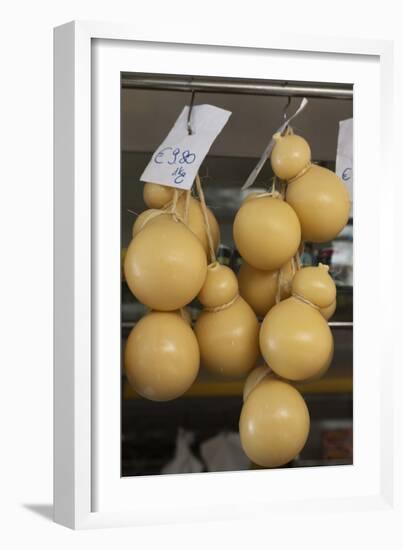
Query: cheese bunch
pixel 165 267
pixel 316 194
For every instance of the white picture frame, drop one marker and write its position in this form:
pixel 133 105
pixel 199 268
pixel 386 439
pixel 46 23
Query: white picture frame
pixel 88 490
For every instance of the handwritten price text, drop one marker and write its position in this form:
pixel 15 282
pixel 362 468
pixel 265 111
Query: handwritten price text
pixel 174 156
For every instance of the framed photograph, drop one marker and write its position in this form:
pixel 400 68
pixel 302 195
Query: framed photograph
pixel 220 225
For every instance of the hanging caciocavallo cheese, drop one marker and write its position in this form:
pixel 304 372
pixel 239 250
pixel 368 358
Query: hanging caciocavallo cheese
pixel 266 231
pixel 161 356
pixel 290 156
pixel 274 423
pixel 319 197
pixel 295 339
pixel 227 329
pixel 165 265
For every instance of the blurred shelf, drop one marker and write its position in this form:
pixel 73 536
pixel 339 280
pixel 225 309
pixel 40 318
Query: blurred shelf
pixel 341 383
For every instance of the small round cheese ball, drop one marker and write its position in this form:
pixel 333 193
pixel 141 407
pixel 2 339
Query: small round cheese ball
pixel 315 284
pixel 156 195
pixel 295 340
pixel 290 155
pixel 161 356
pixel 274 423
pixel 266 232
pixel 220 286
pixel 165 265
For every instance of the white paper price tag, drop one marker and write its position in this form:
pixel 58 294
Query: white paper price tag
pixel 344 158
pixel 177 160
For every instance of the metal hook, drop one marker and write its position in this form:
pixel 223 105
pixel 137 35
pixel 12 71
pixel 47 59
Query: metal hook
pixel 190 131
pixel 286 107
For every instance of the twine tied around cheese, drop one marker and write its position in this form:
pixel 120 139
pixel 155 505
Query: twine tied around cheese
pixel 296 265
pixel 273 194
pixel 187 205
pixel 303 171
pixel 170 208
pixel 223 306
pixel 281 281
pixel 200 192
pixel 174 205
pixel 280 284
pixel 304 300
